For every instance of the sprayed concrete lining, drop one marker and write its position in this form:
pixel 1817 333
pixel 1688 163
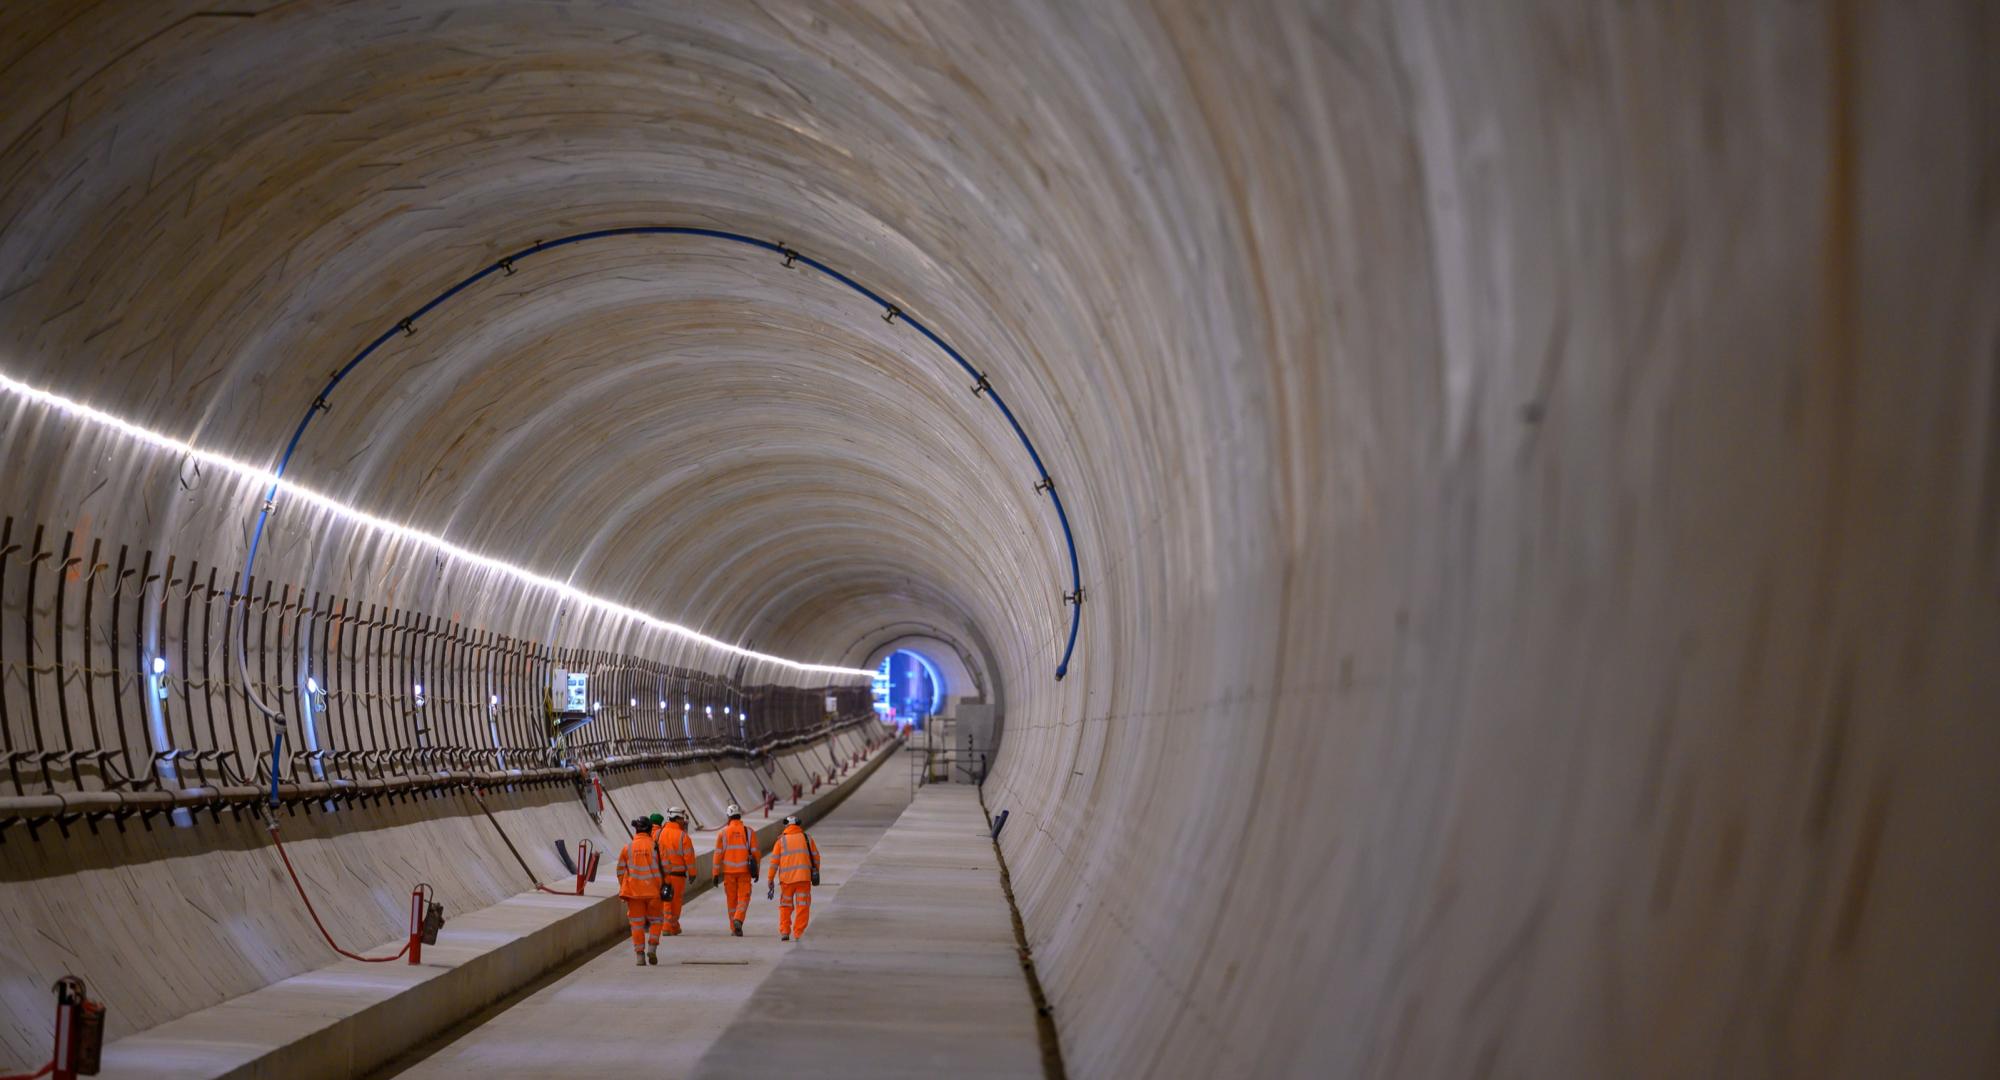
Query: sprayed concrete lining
pixel 1535 466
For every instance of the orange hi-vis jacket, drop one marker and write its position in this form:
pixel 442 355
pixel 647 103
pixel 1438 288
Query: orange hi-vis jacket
pixel 639 869
pixel 735 850
pixel 676 850
pixel 795 857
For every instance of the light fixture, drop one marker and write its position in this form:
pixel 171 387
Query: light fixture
pixel 596 705
pixel 708 709
pixel 159 665
pixel 495 700
pixel 663 704
pixel 635 703
pixel 266 480
pixel 312 685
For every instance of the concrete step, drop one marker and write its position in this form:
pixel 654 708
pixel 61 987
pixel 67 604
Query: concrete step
pixel 349 1017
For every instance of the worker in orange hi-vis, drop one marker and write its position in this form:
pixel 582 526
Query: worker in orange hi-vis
pixel 639 884
pixel 670 838
pixel 734 866
pixel 795 870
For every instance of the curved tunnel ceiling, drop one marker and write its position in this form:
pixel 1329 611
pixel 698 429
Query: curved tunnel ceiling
pixel 1533 463
pixel 690 425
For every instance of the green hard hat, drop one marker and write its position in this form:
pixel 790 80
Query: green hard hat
pixel 657 819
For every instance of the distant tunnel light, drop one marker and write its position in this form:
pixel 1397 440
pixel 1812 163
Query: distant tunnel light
pixel 264 478
pixel 159 665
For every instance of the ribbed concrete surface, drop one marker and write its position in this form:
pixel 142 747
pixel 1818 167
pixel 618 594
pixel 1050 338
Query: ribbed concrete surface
pixel 912 972
pixel 1535 465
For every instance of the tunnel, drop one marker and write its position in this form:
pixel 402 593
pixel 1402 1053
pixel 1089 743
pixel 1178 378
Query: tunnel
pixel 1468 535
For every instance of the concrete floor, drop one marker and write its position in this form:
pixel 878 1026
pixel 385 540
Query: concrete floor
pixel 613 1018
pixel 914 972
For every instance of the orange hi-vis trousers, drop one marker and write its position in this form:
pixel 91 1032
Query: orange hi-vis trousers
pixel 795 902
pixel 671 903
pixel 737 888
pixel 642 913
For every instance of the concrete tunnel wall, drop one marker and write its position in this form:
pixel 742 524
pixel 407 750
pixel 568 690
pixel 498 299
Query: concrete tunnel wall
pixel 164 922
pixel 1533 465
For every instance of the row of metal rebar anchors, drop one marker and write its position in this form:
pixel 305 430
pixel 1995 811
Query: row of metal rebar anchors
pixel 112 678
pixel 34 812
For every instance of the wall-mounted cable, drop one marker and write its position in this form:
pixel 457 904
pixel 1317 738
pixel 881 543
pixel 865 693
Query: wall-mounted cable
pixel 892 313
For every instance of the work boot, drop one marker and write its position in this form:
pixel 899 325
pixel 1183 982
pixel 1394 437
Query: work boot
pixel 652 957
pixel 784 937
pixel 736 927
pixel 641 959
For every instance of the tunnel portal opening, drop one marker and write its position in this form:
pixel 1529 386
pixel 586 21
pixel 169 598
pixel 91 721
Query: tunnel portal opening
pixel 909 689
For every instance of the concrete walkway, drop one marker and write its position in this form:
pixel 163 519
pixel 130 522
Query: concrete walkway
pixel 608 1017
pixel 913 971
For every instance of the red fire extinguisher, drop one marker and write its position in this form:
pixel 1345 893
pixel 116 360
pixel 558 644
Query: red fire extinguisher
pixel 79 1031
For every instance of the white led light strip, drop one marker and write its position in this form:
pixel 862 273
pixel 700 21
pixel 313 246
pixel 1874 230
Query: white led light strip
pixel 265 478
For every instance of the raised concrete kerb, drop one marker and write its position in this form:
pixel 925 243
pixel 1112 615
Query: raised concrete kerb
pixel 349 1017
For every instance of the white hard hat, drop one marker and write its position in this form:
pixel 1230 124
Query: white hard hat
pixel 735 810
pixel 676 813
pixel 791 819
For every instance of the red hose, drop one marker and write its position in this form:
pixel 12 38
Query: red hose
pixel 276 839
pixel 41 1072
